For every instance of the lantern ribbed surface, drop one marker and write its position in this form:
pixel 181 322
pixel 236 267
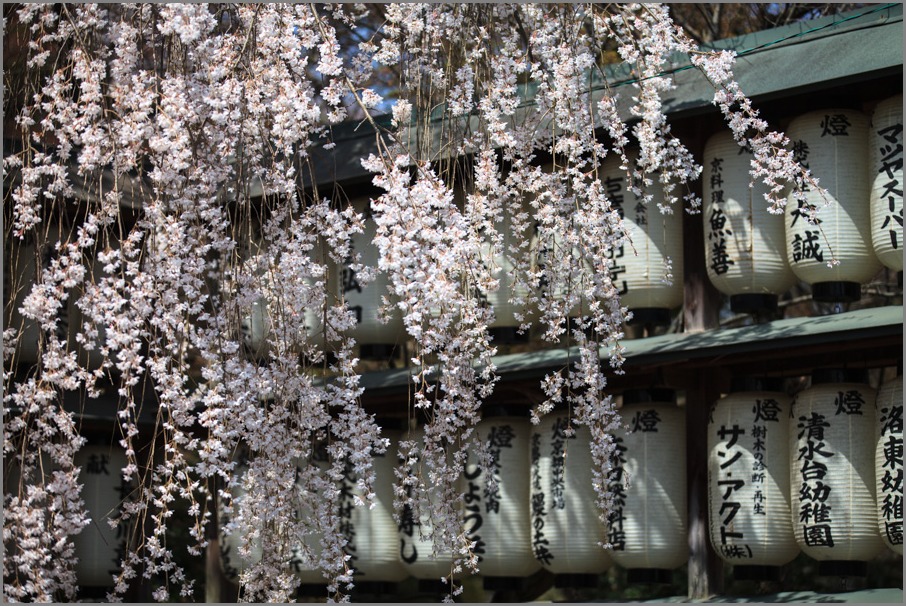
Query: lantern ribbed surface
pixel 749 479
pixel 371 534
pixel 505 324
pixel 365 300
pixel 257 325
pixel 231 562
pixel 417 554
pixel 745 247
pixel 832 471
pixel 639 268
pixel 309 574
pixel 501 521
pixel 833 145
pixel 566 529
pixel 103 490
pixel 889 463
pixel 886 170
pixel 647 527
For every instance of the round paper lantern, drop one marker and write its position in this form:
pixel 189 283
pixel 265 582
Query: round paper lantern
pixel 832 471
pixel 745 250
pixel 639 269
pixel 371 534
pixel 833 145
pixel 889 462
pixel 749 479
pixel 647 527
pixel 886 170
pixel 258 316
pixel 567 532
pixel 504 328
pixel 231 562
pixel 417 554
pixel 100 548
pixel 498 518
pixel 376 339
pixel 313 581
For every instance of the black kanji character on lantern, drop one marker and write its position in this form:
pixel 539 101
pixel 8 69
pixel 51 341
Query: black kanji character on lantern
pixel 892 481
pixel 819 535
pixel 808 247
pixel 819 492
pixel 849 402
pixel 894 532
pixel 893 452
pixel 891 420
pixel 766 410
pixel 812 426
pixel 892 507
pixel 645 420
pixel 97 464
pixel 835 125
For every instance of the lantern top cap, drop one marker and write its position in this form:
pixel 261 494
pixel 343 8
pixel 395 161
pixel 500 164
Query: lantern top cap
pixel 649 395
pixel 505 410
pixel 839 375
pixel 750 383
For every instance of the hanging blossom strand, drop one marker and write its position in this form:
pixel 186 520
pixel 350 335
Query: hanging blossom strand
pixel 185 260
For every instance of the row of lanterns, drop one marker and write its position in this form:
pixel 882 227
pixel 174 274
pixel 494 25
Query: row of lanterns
pixel 820 473
pixel 754 256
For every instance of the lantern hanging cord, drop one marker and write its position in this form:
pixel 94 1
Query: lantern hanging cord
pixel 760 47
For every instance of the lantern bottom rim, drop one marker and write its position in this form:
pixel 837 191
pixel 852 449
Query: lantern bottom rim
pixel 842 568
pixel 836 292
pixel 312 590
pixel 756 572
pixel 649 575
pixel 748 303
pixel 378 351
pixel 503 583
pixel 656 316
pixel 575 581
pixel 374 588
pixel 508 335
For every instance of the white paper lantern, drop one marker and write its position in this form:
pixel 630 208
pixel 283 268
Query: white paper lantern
pixel 889 463
pixel 100 548
pixel 749 479
pixel 376 340
pixel 833 145
pixel 567 532
pixel 499 518
pixel 258 317
pixel 640 267
pixel 371 534
pixel 232 563
pixel 417 554
pixel 647 527
pixel 832 471
pixel 745 249
pixel 505 326
pixel 886 170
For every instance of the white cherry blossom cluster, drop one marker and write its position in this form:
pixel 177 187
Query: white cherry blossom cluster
pixel 165 179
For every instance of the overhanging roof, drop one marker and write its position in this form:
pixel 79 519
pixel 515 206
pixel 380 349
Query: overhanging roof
pixel 869 327
pixel 815 54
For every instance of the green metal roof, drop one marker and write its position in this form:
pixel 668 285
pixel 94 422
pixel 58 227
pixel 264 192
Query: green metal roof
pixel 861 324
pixel 771 63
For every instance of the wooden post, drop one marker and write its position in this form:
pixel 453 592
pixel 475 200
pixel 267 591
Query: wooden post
pixel 705 567
pixel 701 312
